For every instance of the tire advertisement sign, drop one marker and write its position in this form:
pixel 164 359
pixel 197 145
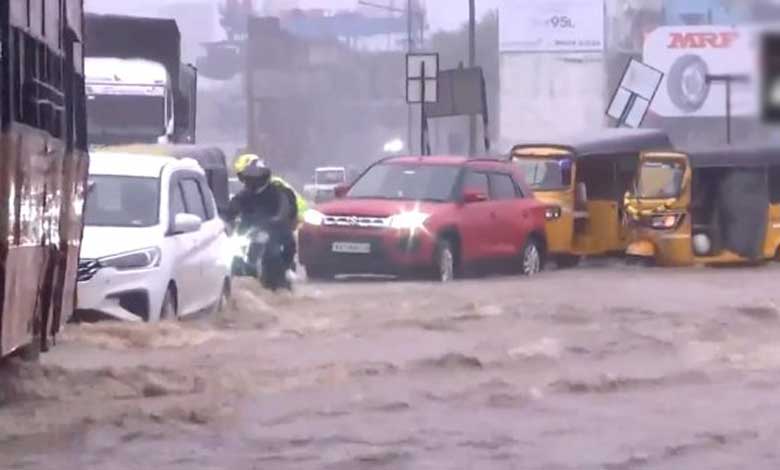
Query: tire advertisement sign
pixel 551 26
pixel 690 56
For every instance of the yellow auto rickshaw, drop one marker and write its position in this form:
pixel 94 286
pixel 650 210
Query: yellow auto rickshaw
pixel 706 207
pixel 584 181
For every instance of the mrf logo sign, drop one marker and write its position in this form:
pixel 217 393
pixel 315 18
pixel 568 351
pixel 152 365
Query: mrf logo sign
pixel 688 55
pixel 693 40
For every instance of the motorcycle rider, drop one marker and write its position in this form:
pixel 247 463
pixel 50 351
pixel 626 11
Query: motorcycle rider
pixel 262 203
pixel 300 202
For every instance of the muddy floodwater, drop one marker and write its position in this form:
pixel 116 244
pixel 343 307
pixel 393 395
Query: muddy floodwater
pixel 603 367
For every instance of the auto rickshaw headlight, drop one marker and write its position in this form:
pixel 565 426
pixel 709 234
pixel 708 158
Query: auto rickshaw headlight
pixel 552 213
pixel 665 221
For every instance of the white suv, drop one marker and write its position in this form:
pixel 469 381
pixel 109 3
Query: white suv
pixel 153 244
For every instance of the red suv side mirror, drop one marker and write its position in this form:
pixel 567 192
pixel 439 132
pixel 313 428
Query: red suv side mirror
pixel 473 195
pixel 341 190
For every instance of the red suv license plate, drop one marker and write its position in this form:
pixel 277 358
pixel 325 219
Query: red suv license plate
pixel 351 248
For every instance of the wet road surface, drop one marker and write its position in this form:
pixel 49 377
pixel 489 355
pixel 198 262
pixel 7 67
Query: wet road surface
pixel 605 367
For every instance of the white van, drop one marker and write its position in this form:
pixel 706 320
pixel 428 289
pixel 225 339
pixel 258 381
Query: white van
pixel 153 247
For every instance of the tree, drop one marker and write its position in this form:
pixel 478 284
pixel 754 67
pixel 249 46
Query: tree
pixel 233 17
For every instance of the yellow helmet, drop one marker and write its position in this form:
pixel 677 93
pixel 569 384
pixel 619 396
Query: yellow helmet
pixel 243 161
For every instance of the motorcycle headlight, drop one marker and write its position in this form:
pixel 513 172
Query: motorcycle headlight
pixel 665 221
pixel 239 244
pixel 313 217
pixel 140 259
pixel 408 220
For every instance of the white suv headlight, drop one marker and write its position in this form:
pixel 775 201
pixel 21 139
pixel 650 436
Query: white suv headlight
pixel 140 259
pixel 313 217
pixel 408 220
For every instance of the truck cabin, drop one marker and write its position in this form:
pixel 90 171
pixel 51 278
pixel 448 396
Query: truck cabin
pixel 128 101
pixel 136 70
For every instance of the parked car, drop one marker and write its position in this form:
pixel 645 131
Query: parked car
pixel 431 215
pixel 153 247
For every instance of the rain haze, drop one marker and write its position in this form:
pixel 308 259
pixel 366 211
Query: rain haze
pixel 388 234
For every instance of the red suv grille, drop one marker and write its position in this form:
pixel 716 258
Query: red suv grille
pixel 355 221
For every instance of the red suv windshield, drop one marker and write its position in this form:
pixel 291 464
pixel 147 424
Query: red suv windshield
pixel 407 182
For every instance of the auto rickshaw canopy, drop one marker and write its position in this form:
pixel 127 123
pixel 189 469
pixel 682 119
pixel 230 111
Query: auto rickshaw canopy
pixel 604 142
pixel 734 157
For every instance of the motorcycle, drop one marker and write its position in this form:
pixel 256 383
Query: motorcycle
pixel 258 254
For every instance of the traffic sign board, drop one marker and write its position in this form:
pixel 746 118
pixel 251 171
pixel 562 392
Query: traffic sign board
pixel 422 77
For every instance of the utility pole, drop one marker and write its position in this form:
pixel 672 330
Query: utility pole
pixel 410 41
pixel 409 48
pixel 472 63
pixel 249 87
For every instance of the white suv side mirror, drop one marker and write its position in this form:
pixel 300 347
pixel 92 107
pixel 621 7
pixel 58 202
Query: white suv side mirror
pixel 186 223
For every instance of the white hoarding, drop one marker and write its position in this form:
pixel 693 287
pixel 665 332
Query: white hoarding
pixel 551 26
pixel 688 54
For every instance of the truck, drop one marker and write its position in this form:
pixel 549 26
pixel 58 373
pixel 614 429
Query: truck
pixel 138 90
pixel 43 169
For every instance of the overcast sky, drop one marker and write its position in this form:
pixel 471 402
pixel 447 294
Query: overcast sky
pixel 442 14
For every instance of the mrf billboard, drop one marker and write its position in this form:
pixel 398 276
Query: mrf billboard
pixel 689 55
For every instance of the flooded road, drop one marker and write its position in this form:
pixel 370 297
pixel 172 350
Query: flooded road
pixel 594 368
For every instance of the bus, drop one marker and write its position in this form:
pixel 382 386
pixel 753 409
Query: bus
pixel 43 169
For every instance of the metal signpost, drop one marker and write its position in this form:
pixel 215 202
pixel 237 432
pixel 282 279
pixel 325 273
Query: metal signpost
pixel 634 94
pixel 422 86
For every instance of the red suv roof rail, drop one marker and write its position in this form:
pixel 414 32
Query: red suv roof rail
pixel 486 159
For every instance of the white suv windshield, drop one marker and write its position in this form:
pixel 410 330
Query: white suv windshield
pixel 122 201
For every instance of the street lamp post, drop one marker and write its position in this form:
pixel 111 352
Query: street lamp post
pixel 472 63
pixel 409 49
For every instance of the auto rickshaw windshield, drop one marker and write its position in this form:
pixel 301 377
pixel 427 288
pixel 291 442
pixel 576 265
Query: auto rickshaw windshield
pixel 660 180
pixel 545 174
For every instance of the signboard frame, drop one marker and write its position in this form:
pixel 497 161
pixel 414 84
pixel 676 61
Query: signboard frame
pixel 419 88
pixel 630 102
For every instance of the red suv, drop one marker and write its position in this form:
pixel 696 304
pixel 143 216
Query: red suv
pixel 430 215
